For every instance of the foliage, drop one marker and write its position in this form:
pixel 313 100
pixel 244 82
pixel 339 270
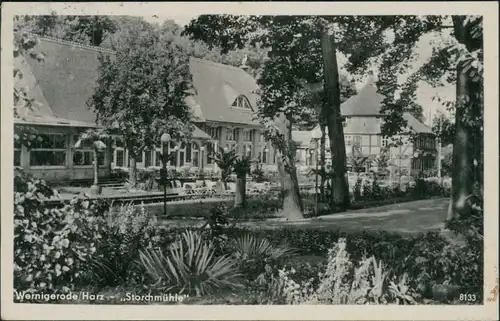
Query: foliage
pixel 24 46
pixel 382 163
pixel 225 161
pixel 127 229
pixel 242 167
pixel 253 253
pixel 357 160
pixel 217 221
pixel 343 283
pixel 90 30
pixel 444 128
pixel 189 266
pixel 430 261
pixel 52 245
pixel 155 104
pixel 146 178
pixel 258 175
pixel 358 189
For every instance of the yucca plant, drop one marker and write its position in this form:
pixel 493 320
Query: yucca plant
pixel 225 160
pixel 190 266
pixel 253 253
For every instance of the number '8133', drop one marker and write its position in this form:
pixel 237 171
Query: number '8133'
pixel 467 297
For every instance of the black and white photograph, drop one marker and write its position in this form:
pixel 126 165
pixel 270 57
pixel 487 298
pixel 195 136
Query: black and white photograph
pixel 164 156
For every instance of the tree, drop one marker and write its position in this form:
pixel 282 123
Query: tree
pixel 305 47
pixel 382 162
pixel 225 161
pixel 455 60
pixel 96 138
pixel 90 30
pixel 357 160
pixel 444 128
pixel 139 94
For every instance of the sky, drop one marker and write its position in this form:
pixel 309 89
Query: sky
pixel 425 92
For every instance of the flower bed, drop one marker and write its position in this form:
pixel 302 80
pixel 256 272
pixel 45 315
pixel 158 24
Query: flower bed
pixel 88 246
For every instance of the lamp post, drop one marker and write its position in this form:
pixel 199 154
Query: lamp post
pixel 202 149
pixel 266 151
pixel 165 138
pixel 316 135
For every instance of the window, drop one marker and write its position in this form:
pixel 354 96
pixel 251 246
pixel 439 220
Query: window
pixel 148 158
pixel 158 158
pixel 195 154
pixel 119 154
pixel 182 153
pixel 348 140
pixel 263 154
pixel 241 102
pixel 247 150
pixel 232 134
pixel 84 155
pixel 49 150
pixel 357 140
pixel 188 153
pixel 248 135
pixel 384 141
pixel 120 158
pixel 210 153
pixel 365 140
pixel 262 137
pixel 213 131
pixel 17 152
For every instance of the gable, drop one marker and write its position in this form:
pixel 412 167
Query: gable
pixel 366 103
pixel 218 86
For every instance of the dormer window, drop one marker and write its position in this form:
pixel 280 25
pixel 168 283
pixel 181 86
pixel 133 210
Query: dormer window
pixel 242 102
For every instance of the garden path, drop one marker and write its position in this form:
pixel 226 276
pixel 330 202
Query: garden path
pixel 408 217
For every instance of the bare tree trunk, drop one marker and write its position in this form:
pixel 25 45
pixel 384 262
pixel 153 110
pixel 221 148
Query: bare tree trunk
pixel 240 196
pixel 292 203
pixel 96 167
pixel 322 157
pixel 132 171
pixel 464 151
pixel 339 186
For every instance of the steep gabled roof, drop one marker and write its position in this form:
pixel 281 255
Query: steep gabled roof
pixel 416 125
pixel 67 77
pixel 217 86
pixel 365 103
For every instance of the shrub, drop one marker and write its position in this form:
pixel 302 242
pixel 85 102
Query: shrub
pixel 52 246
pixel 429 259
pixel 126 230
pixel 146 178
pixel 358 189
pixel 343 283
pixel 377 192
pixel 258 174
pixel 190 266
pixel 367 190
pixel 242 167
pixel 119 174
pixel 253 253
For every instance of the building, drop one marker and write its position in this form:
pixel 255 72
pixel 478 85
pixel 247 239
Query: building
pixel 223 105
pixel 362 128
